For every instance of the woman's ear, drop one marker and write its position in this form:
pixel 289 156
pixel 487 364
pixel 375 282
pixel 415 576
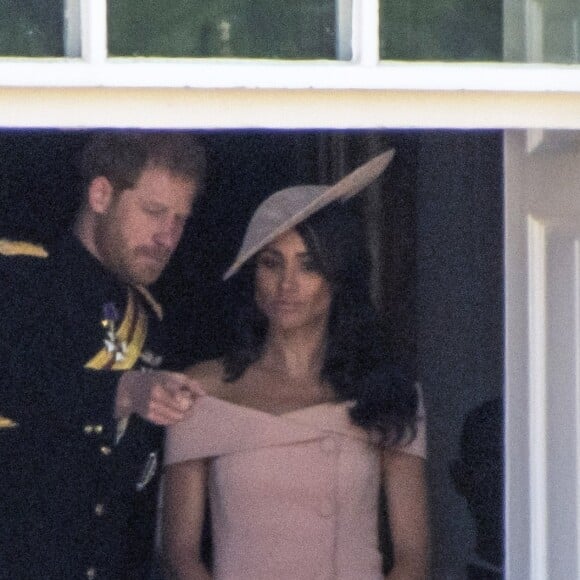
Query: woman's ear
pixel 100 194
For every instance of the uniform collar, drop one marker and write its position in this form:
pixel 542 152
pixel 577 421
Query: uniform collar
pixel 71 255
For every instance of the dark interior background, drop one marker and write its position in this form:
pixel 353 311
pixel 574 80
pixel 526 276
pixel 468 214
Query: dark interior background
pixel 40 191
pixel 437 233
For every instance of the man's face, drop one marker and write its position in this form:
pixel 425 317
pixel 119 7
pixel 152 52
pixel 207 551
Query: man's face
pixel 138 229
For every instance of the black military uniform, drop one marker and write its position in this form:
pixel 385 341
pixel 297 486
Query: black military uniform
pixel 77 487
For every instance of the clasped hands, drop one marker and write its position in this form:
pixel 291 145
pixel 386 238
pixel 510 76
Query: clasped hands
pixel 161 397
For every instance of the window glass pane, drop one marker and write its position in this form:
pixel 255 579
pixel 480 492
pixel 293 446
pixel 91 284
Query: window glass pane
pixel 447 30
pixel 560 23
pixel 542 31
pixel 299 29
pixel 31 28
pixel 452 30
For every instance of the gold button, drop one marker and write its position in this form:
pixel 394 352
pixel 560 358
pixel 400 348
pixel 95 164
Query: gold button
pixel 99 509
pixel 106 450
pixel 98 429
pixel 88 429
pixel 91 573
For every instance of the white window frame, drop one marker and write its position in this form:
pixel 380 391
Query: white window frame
pixel 88 89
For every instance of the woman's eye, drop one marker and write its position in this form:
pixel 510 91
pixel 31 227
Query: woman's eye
pixel 309 265
pixel 268 261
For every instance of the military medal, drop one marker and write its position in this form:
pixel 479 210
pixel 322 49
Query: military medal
pixel 113 343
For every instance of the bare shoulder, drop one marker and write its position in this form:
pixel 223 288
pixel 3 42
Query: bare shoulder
pixel 210 374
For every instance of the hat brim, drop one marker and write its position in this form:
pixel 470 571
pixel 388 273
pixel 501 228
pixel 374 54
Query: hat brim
pixel 288 207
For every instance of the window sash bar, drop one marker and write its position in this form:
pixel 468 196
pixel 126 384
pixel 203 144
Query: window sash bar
pixel 365 32
pixel 208 74
pixel 93 19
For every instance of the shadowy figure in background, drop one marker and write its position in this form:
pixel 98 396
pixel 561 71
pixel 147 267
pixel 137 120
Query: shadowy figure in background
pixel 478 477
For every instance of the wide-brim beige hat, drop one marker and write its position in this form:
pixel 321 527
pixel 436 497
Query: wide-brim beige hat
pixel 288 207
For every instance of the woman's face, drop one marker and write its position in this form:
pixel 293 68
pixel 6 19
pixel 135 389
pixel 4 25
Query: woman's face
pixel 289 289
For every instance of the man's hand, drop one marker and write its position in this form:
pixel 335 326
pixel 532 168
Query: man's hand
pixel 161 397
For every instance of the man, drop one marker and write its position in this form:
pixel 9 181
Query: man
pixel 82 403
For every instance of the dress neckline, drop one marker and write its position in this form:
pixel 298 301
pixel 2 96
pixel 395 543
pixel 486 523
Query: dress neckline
pixel 282 414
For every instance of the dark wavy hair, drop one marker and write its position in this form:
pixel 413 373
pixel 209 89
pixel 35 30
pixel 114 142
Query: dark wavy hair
pixel 355 363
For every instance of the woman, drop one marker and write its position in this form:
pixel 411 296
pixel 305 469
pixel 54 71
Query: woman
pixel 304 418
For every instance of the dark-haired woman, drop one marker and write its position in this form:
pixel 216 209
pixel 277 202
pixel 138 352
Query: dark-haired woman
pixel 305 419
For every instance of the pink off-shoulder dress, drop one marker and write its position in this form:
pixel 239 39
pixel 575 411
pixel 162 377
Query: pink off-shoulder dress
pixel 293 496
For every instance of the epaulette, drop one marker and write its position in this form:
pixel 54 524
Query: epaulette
pixel 6 423
pixel 19 248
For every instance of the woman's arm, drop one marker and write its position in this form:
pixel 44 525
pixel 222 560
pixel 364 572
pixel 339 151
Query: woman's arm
pixel 406 494
pixel 184 491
